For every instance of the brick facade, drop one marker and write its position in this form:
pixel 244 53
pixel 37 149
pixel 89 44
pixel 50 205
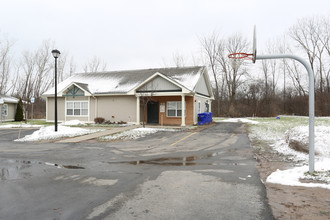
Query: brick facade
pixel 163 119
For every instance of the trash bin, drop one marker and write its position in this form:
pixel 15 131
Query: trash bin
pixel 210 115
pixel 202 118
pixel 205 118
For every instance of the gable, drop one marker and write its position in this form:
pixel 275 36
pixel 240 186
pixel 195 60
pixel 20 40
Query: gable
pixel 73 91
pixel 159 84
pixel 201 87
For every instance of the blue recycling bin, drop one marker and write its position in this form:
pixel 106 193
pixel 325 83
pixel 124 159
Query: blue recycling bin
pixel 205 118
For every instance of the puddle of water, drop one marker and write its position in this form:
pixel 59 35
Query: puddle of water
pixel 174 161
pixel 72 167
pixel 14 172
pixel 15 169
pixel 160 163
pixel 64 166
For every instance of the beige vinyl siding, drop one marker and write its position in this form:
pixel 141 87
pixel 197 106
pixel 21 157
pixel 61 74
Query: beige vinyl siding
pixel 11 111
pixel 202 101
pixel 60 109
pixel 201 87
pixel 117 108
pixel 159 84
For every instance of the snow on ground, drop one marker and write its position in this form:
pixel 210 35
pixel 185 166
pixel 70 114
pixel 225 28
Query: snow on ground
pixel 48 133
pixel 73 122
pixel 243 120
pixel 293 177
pixel 300 134
pixel 20 126
pixel 277 133
pixel 136 133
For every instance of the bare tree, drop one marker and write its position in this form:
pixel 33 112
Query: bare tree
pixel 294 70
pixel 72 68
pixel 211 46
pixel 5 65
pixel 265 70
pixel 311 35
pixel 44 66
pixel 325 39
pixel 234 70
pixel 95 64
pixel 26 81
pixel 61 71
pixel 36 69
pixel 178 59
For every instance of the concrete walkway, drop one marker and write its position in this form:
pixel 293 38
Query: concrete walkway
pixel 108 131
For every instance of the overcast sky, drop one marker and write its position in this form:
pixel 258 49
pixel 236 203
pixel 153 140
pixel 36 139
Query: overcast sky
pixel 133 34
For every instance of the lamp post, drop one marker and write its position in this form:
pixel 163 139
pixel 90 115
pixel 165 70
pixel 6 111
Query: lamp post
pixel 56 54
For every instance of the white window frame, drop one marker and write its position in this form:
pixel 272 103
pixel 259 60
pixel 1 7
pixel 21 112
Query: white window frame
pixel 177 107
pixel 74 104
pixel 4 109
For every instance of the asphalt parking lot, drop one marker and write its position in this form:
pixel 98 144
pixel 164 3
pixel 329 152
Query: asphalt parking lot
pixel 206 174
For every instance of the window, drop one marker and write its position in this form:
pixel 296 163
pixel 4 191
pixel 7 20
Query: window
pixel 199 108
pixel 77 108
pixel 207 107
pixel 174 109
pixel 4 110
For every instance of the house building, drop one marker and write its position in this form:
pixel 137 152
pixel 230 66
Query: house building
pixel 8 106
pixel 160 96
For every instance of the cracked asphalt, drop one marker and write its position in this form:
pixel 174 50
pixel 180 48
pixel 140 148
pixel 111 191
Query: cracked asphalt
pixel 206 174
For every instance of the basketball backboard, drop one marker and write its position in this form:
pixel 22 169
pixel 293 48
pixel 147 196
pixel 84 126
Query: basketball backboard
pixel 254 48
pixel 250 56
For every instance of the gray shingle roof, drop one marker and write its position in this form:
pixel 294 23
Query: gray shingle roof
pixel 121 82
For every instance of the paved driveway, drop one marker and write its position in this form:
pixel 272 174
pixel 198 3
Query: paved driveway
pixel 207 174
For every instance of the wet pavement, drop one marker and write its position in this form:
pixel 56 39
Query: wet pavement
pixel 207 174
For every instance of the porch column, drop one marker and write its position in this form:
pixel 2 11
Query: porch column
pixel 183 117
pixel 137 110
pixel 210 105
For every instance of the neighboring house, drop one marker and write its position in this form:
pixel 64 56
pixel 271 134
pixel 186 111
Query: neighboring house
pixel 8 108
pixel 119 96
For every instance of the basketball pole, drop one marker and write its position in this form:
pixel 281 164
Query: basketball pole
pixel 310 102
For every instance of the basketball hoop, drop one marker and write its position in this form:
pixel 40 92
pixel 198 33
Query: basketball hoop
pixel 249 56
pixel 236 56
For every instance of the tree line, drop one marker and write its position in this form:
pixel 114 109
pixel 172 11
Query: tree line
pixel 271 87
pixel 32 73
pixel 268 88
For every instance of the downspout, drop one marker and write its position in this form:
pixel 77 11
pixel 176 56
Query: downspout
pixel 95 107
pixel 47 108
pixel 89 103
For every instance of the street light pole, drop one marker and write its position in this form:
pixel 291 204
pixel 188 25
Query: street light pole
pixel 56 54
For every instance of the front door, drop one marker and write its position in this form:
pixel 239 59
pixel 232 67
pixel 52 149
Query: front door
pixel 153 112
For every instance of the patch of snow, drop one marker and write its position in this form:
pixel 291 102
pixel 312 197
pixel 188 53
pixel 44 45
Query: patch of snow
pixel 322 142
pixel 135 133
pixel 48 133
pixel 242 120
pixel 10 100
pixel 282 147
pixel 73 122
pixel 278 133
pixel 293 176
pixel 20 126
pixel 98 83
pixel 188 80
